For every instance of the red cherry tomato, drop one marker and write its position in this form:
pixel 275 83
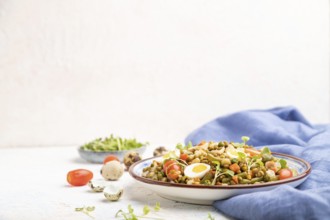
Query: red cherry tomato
pixel 167 164
pixel 172 169
pixel 79 177
pixel 110 158
pixel 173 174
pixel 285 173
pixel 183 156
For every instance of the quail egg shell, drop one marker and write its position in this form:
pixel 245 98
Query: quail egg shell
pixel 98 185
pixel 113 192
pixel 196 170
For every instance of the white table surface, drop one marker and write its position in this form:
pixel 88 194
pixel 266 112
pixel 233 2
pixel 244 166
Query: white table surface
pixel 33 186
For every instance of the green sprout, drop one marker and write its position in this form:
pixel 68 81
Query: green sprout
pixel 210 217
pixel 130 215
pixel 245 139
pixel 86 210
pixel 219 173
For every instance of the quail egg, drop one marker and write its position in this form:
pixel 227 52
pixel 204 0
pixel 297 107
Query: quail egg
pixel 112 170
pixel 196 170
pixel 130 158
pixel 160 151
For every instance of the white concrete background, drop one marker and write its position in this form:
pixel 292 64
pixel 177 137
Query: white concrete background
pixel 75 70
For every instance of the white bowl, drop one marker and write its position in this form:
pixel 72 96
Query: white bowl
pixel 206 195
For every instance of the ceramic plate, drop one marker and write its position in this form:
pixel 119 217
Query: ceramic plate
pixel 200 194
pixel 98 156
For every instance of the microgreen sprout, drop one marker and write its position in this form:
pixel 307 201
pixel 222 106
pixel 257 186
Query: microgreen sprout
pixel 250 161
pixel 265 150
pixel 182 147
pixel 170 155
pixel 112 143
pixel 210 217
pixel 130 215
pixel 157 207
pixel 245 139
pixel 86 210
pixel 283 163
pixel 179 146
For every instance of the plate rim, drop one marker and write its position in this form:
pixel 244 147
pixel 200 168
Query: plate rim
pixel 249 186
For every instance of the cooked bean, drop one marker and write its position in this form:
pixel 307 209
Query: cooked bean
pixel 257 179
pixel 225 162
pixel 245 181
pixel 225 180
pixel 267 157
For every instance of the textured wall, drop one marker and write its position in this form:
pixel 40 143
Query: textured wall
pixel 74 70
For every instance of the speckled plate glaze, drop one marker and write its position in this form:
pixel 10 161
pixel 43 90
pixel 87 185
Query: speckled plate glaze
pixel 206 195
pixel 98 157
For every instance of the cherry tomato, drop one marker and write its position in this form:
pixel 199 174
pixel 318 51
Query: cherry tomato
pixel 110 158
pixel 173 174
pixel 79 177
pixel 285 173
pixel 172 169
pixel 167 164
pixel 183 156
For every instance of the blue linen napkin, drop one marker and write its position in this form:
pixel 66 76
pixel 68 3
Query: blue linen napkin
pixel 283 130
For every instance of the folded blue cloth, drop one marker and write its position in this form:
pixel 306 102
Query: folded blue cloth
pixel 283 130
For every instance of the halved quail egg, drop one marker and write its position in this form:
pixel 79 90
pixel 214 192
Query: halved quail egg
pixel 113 192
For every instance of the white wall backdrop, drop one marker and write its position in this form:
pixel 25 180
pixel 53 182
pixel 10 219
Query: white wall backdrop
pixel 75 70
